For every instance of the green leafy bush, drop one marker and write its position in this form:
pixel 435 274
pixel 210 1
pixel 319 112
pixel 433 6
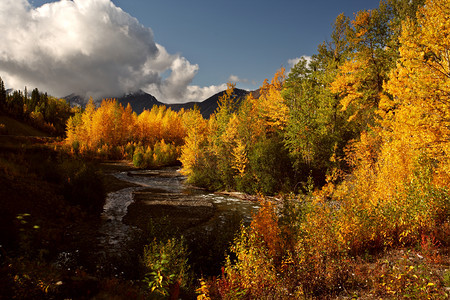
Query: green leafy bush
pixel 167 265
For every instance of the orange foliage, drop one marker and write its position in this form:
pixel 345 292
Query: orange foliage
pixel 265 225
pixel 117 132
pixel 270 105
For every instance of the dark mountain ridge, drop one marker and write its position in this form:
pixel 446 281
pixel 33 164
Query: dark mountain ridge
pixel 141 100
pixel 210 105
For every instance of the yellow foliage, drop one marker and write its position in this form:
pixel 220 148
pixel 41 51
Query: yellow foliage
pixel 203 290
pixel 109 129
pixel 401 165
pixel 271 107
pixel 420 86
pixel 240 159
pixel 197 129
pixel 254 270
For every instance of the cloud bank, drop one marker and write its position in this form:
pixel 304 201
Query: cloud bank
pixel 92 48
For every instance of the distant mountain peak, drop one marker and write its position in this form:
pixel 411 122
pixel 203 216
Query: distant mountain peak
pixel 76 100
pixel 141 100
pixel 135 93
pixel 209 106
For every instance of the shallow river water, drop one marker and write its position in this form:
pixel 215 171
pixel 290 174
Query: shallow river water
pixel 156 190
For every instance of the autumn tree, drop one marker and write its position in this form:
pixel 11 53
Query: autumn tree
pixel 243 131
pixel 401 174
pixel 220 142
pixel 272 110
pixel 361 77
pixel 193 151
pixel 418 113
pixel 128 121
pixel 317 128
pixel 269 164
pixel 73 132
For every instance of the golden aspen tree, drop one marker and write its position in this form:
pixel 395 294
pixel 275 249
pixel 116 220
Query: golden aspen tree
pixel 144 128
pixel 238 147
pixel 73 127
pixel 86 132
pixel 418 113
pixel 401 178
pixel 360 79
pixel 128 122
pixel 105 125
pixel 192 150
pixel 219 144
pixel 271 107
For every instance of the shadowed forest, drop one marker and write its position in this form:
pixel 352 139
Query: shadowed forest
pixel 348 156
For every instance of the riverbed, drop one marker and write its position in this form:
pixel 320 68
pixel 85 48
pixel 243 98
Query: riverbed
pixel 139 199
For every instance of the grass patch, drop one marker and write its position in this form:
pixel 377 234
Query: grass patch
pixel 17 128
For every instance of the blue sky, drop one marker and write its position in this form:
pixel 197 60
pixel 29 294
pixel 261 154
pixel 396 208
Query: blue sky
pixel 250 39
pixel 199 44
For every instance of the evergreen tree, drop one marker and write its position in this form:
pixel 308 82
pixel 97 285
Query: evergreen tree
pixel 15 104
pixel 35 99
pixel 317 129
pixel 2 94
pixel 218 144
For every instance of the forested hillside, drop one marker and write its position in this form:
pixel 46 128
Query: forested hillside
pixel 361 131
pixel 39 110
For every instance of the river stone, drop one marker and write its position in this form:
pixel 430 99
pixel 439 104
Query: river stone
pixel 180 210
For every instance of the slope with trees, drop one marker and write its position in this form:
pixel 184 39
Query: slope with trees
pixel 40 110
pixel 380 225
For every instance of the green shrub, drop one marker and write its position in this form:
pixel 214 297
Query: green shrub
pixel 76 147
pixel 167 266
pixel 138 157
pixel 129 150
pixel 270 166
pixel 148 158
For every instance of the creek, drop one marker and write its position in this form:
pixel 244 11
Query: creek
pixel 201 217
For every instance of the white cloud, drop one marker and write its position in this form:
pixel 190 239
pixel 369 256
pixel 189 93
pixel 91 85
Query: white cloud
pixel 293 61
pixel 236 79
pixel 196 92
pixel 177 86
pixel 233 78
pixel 90 47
